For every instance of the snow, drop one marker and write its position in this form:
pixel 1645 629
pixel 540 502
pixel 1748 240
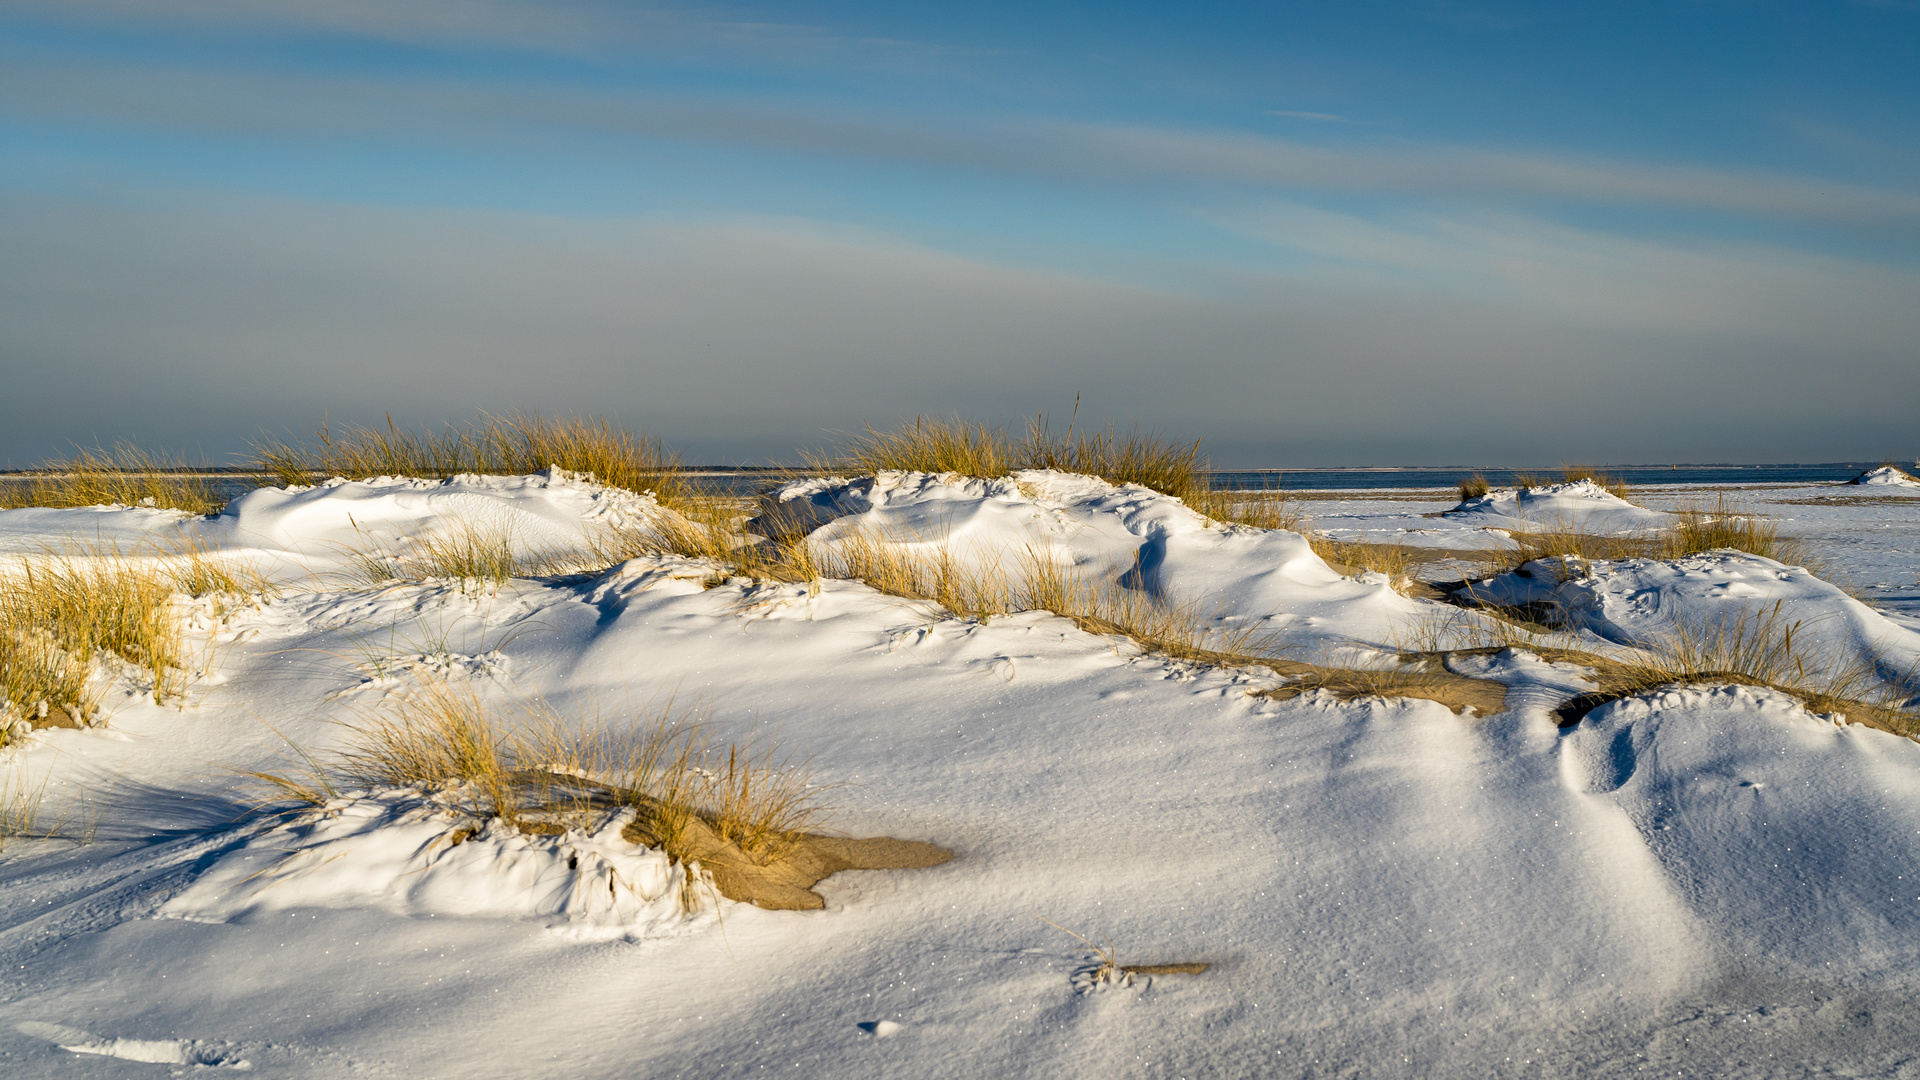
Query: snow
pixel 409 853
pixel 1580 504
pixel 1150 541
pixel 1886 476
pixel 294 534
pixel 1635 601
pixel 1758 812
pixel 1707 880
pixel 1861 540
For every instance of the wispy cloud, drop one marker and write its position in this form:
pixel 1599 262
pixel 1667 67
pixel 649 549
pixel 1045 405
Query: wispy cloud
pixel 595 29
pixel 324 104
pixel 1730 292
pixel 1466 171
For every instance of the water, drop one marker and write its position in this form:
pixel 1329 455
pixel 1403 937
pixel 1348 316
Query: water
pixel 752 481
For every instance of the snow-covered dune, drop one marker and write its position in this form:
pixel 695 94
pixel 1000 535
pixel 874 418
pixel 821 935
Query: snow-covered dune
pixel 1144 539
pixel 1636 601
pixel 292 533
pixel 1702 881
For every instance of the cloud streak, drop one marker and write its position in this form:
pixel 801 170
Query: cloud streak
pixel 600 30
pixel 177 97
pixel 1749 293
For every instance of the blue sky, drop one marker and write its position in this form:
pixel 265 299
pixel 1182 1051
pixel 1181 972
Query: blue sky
pixel 1361 233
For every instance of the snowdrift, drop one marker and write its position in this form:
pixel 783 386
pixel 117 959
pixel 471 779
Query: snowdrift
pixel 1762 816
pixel 1132 534
pixel 293 533
pixel 410 853
pixel 1636 601
pixel 1581 505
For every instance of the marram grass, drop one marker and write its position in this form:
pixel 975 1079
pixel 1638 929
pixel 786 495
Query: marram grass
pixel 970 448
pixel 124 475
pixel 539 771
pixel 515 444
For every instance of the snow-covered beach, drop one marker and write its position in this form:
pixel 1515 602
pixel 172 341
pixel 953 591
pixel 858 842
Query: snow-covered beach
pixel 1706 878
pixel 623 538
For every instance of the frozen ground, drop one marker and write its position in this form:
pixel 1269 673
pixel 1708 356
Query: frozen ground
pixel 1698 881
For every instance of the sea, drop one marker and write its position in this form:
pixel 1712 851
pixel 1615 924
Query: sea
pixel 749 480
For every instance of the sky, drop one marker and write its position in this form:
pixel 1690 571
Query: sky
pixel 1438 232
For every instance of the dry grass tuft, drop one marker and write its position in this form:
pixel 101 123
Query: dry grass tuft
pixel 1754 647
pixel 125 475
pixel 1473 487
pixel 739 811
pixel 1726 526
pixel 904 566
pixel 1270 509
pixel 981 588
pixel 198 569
pixel 1485 630
pixel 1608 482
pixel 1396 561
pixel 515 444
pixel 1134 458
pixel 58 611
pixel 710 528
pixel 482 555
pixel 62 611
pixel 1570 541
pixel 20 811
pixel 933 445
pixel 936 445
pixel 538 772
pixel 927 568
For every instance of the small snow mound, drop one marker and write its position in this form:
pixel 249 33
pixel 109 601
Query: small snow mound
pixel 1506 500
pixel 412 854
pixel 1581 504
pixel 1886 476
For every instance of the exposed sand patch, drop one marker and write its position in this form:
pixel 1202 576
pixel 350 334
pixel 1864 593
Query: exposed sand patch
pixel 1456 692
pixel 783 879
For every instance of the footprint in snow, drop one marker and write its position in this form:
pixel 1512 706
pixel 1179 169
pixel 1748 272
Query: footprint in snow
pixel 151 1051
pixel 880 1029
